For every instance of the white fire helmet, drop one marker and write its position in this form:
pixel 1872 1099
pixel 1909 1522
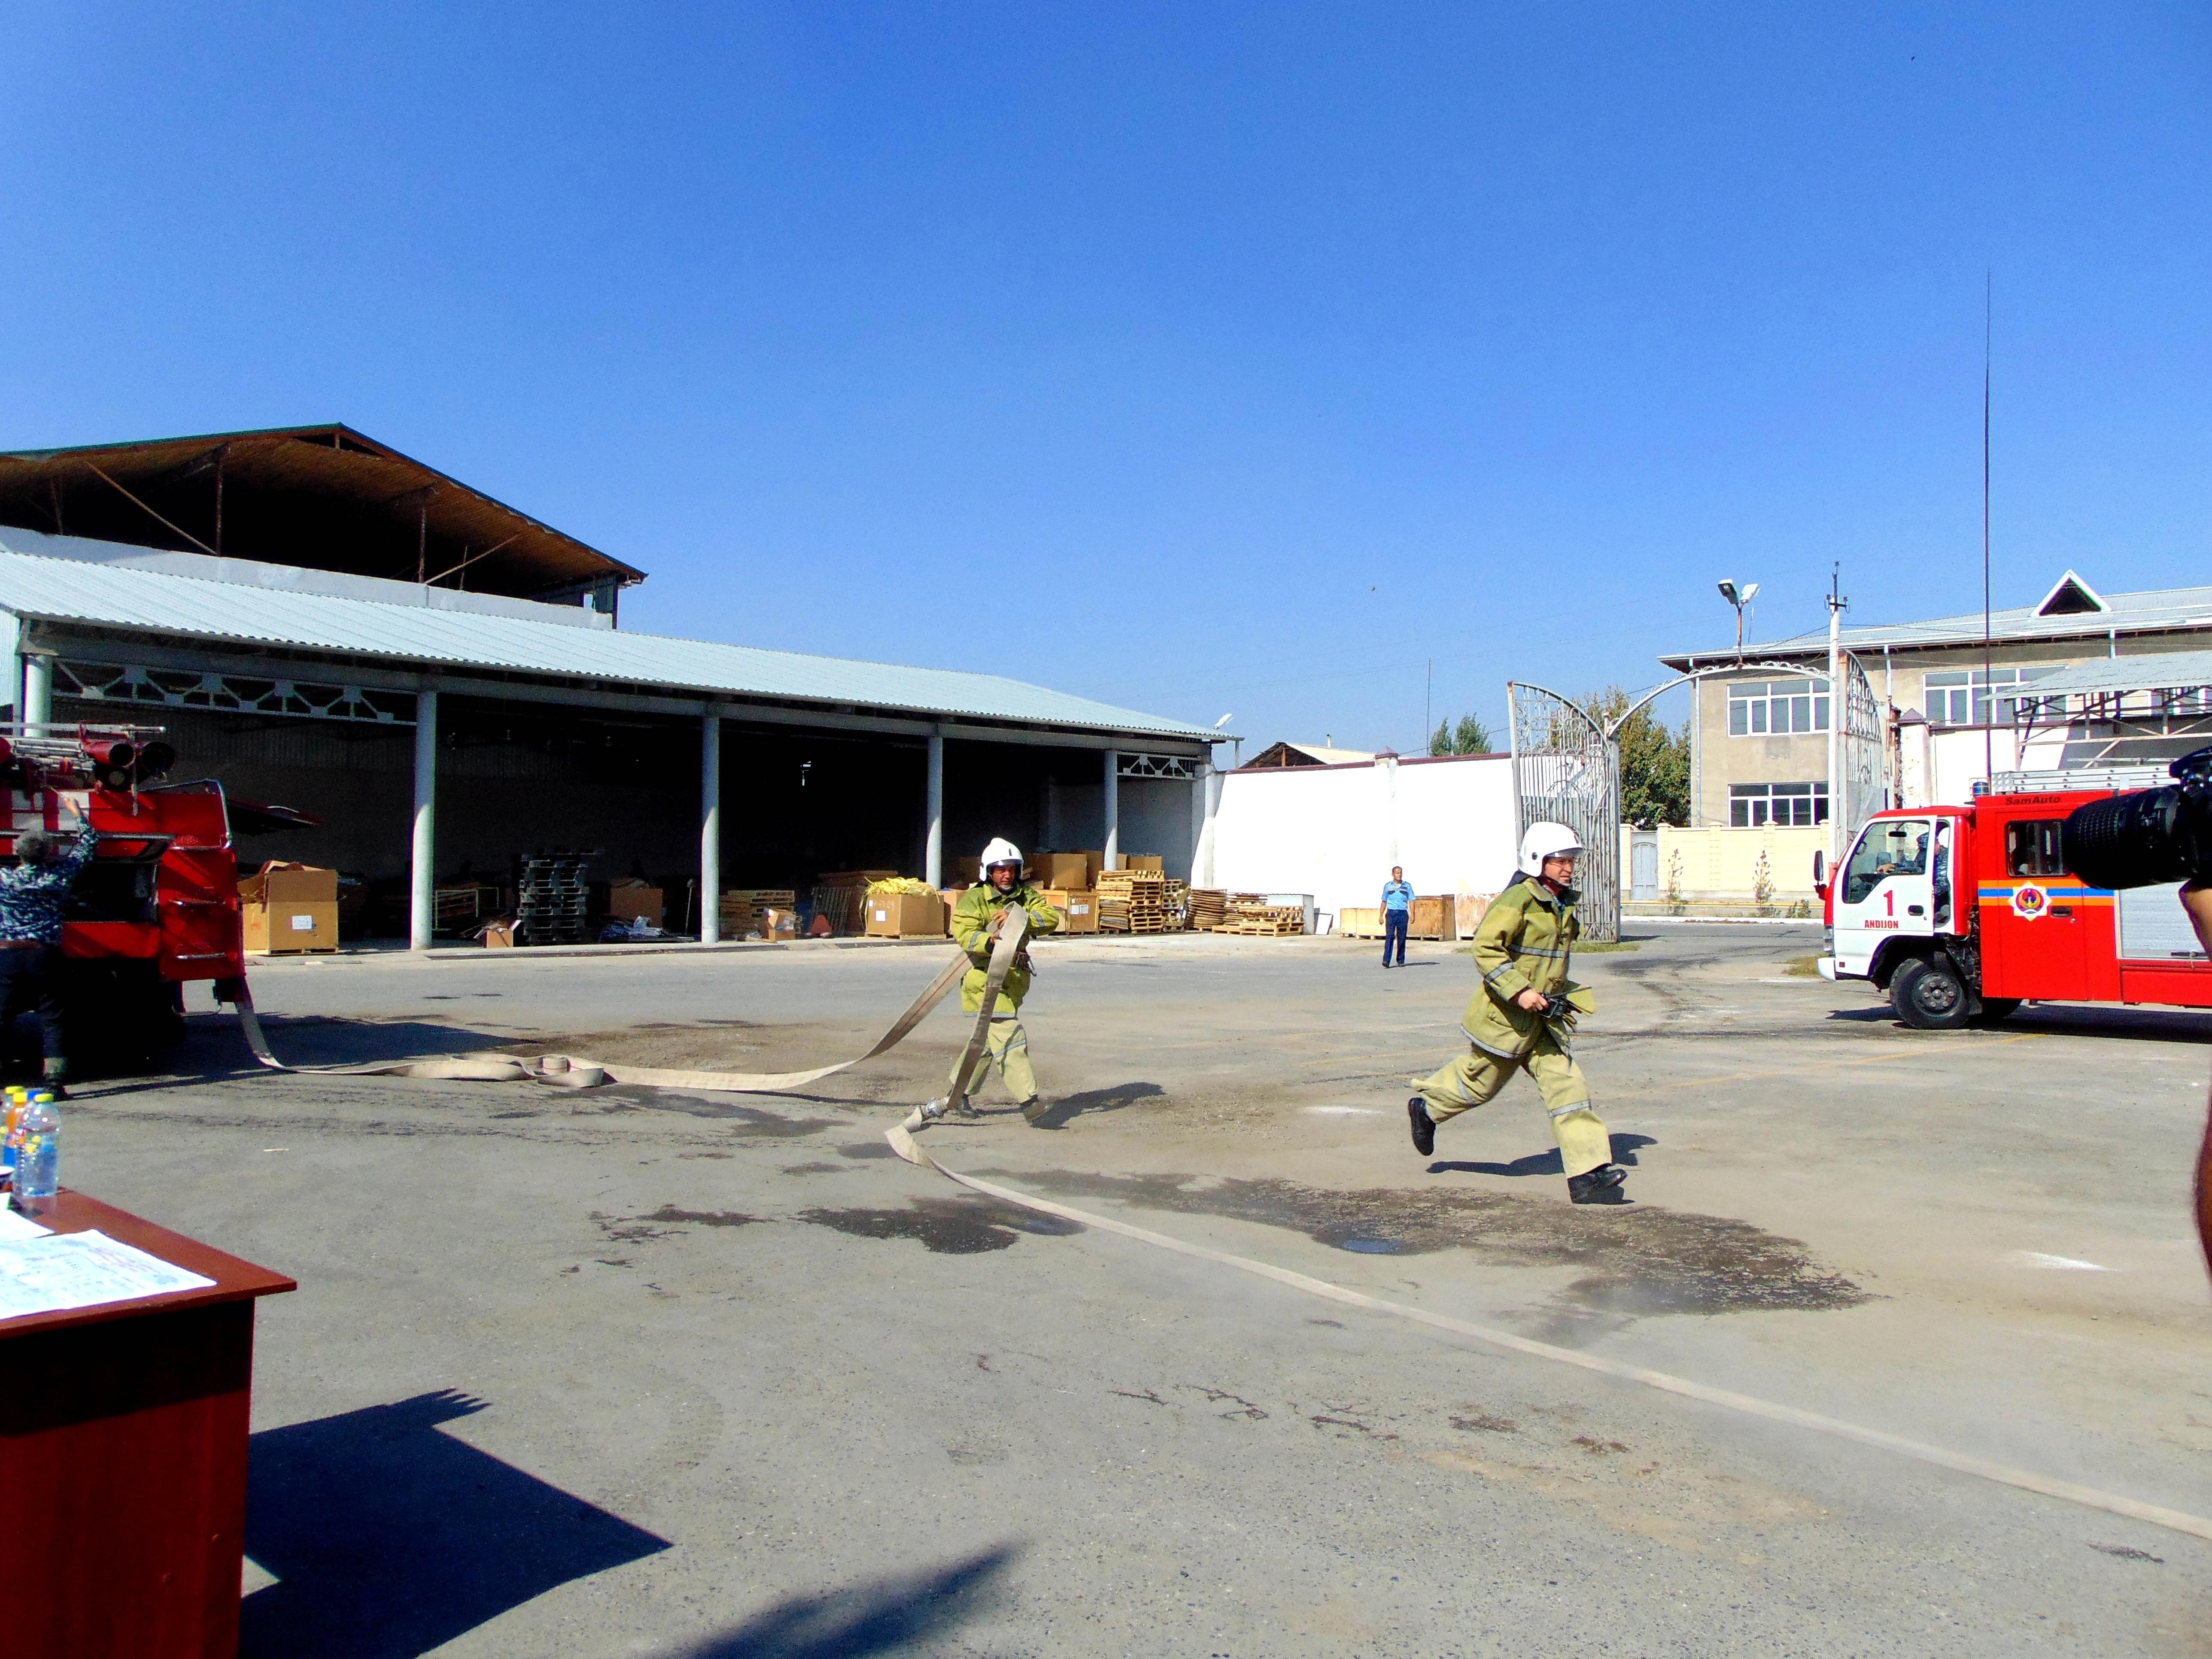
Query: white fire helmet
pixel 1001 851
pixel 1546 841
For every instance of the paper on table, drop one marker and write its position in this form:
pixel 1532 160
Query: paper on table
pixel 13 1225
pixel 82 1270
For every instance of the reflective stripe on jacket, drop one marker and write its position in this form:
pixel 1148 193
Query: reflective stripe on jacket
pixel 972 914
pixel 1522 944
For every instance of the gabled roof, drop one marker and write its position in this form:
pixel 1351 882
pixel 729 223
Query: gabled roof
pixel 324 497
pixel 1308 754
pixel 171 607
pixel 2158 610
pixel 2069 596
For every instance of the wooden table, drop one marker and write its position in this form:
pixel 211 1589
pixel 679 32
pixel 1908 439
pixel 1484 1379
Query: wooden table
pixel 123 1459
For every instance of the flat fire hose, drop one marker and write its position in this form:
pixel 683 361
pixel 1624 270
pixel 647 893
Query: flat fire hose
pixel 565 1072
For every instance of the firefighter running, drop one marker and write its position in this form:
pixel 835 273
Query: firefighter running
pixel 975 924
pixel 32 895
pixel 1521 1019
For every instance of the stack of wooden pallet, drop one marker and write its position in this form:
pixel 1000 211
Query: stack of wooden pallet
pixel 741 907
pixel 1250 914
pixel 1177 901
pixel 1209 909
pixel 1132 902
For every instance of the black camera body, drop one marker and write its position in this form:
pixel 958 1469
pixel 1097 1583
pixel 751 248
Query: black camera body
pixel 2147 836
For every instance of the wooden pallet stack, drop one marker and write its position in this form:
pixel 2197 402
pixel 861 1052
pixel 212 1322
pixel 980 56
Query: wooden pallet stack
pixel 1209 909
pixel 741 907
pixel 1132 902
pixel 1251 914
pixel 1177 901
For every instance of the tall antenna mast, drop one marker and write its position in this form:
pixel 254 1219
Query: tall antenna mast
pixel 1988 688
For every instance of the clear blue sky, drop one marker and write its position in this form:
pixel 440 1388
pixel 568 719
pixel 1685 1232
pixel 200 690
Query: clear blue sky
pixel 1206 359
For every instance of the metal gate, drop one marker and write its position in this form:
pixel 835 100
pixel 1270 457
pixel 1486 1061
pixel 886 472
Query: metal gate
pixel 1861 757
pixel 1566 768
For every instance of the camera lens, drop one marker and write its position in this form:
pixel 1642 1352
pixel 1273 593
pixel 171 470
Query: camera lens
pixel 2134 839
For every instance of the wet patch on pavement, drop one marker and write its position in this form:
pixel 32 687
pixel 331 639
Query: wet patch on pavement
pixel 1635 1261
pixel 944 1227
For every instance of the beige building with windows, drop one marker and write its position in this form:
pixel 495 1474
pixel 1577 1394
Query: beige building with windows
pixel 1759 738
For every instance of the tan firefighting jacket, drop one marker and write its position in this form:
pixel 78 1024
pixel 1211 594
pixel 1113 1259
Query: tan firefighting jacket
pixel 971 915
pixel 1522 944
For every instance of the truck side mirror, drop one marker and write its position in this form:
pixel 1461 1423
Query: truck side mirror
pixel 1821 872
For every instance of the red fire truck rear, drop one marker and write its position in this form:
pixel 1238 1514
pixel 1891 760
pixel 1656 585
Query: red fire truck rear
pixel 1963 913
pixel 158 905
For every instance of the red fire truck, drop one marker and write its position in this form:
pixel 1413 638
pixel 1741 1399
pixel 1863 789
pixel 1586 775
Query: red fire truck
pixel 1963 913
pixel 158 905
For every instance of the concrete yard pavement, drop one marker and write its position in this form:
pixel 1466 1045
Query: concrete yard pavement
pixel 637 1372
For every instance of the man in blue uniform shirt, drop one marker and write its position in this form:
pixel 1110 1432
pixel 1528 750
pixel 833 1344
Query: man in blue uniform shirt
pixel 1397 912
pixel 32 895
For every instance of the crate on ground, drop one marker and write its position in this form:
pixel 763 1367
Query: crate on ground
pixel 553 898
pixel 290 908
pixel 1469 908
pixel 1434 917
pixel 906 916
pixel 1360 921
pixel 1077 908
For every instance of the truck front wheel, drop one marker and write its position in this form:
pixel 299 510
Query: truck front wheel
pixel 1929 995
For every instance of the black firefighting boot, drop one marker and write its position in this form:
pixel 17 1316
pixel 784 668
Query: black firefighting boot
pixel 56 1069
pixel 1602 1185
pixel 1424 1127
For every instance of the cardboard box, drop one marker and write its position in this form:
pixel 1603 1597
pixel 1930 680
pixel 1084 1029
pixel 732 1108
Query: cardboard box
pixel 1065 871
pixel 628 903
pixel 497 935
pixel 906 916
pixel 1152 862
pixel 1093 862
pixel 779 924
pixel 1077 908
pixel 291 927
pixel 289 883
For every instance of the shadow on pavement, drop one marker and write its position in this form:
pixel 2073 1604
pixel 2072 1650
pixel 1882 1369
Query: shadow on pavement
pixel 388 1539
pixel 882 1616
pixel 1057 1114
pixel 1547 1163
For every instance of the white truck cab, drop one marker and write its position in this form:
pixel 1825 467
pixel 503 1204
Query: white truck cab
pixel 1896 883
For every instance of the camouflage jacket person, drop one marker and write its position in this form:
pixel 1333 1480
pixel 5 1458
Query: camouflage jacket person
pixel 1522 944
pixel 32 895
pixel 972 914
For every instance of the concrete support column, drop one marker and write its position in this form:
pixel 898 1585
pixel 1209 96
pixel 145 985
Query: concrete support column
pixel 38 686
pixel 1113 809
pixel 1210 796
pixel 710 828
pixel 421 912
pixel 932 847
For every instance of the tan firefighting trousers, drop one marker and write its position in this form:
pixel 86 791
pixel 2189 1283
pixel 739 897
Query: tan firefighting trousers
pixel 1007 1045
pixel 1585 1143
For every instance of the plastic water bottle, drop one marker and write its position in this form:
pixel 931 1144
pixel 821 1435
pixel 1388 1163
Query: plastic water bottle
pixel 39 1160
pixel 17 1101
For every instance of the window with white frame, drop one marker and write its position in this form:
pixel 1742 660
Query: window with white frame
pixel 1790 804
pixel 1961 697
pixel 1760 708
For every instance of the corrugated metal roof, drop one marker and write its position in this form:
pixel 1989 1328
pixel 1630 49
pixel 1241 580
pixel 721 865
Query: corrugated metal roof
pixel 2160 671
pixel 62 590
pixel 2128 613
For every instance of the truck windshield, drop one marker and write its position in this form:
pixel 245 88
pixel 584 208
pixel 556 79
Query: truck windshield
pixel 1890 846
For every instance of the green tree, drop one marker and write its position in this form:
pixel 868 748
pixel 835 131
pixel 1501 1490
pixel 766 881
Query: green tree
pixel 1654 761
pixel 1469 736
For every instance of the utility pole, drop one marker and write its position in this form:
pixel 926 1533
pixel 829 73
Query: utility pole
pixel 1838 703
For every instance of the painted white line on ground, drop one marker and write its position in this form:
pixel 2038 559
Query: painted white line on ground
pixel 2037 1259
pixel 1941 1457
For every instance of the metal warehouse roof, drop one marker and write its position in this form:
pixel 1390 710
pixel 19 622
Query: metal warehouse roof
pixel 2163 670
pixel 69 591
pixel 2155 611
